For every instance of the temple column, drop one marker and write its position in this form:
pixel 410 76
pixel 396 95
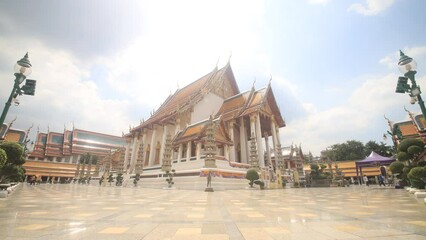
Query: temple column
pixel 243 141
pixel 252 126
pixel 261 152
pixel 188 151
pixel 177 125
pixel 274 134
pixel 127 151
pixel 274 141
pixel 198 151
pixel 268 152
pixel 152 149
pixel 180 152
pixel 134 151
pixel 226 152
pixel 163 144
pixel 231 135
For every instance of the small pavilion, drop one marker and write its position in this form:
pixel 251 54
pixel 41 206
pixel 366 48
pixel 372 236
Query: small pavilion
pixel 372 160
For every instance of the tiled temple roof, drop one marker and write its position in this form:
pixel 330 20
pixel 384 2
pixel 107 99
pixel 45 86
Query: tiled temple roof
pixel 197 132
pixel 248 102
pixel 182 98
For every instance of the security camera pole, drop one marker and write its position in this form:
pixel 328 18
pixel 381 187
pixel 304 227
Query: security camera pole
pixel 407 66
pixel 22 70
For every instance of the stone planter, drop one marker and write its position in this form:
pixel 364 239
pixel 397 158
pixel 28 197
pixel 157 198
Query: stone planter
pixel 320 183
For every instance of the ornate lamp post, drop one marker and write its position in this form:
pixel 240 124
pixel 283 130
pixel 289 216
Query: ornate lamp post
pixel 408 66
pixel 22 70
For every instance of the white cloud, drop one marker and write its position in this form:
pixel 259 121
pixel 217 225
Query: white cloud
pixel 365 106
pixel 372 7
pixel 64 93
pixel 177 49
pixel 174 49
pixel 323 2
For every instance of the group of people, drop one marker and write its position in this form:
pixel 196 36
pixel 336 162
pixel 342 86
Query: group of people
pixel 35 179
pixel 381 180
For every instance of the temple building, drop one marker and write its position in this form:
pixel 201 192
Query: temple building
pixel 59 155
pixel 209 125
pixel 413 128
pixel 7 133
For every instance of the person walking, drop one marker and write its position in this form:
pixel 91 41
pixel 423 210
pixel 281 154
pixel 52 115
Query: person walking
pixel 365 178
pixel 382 181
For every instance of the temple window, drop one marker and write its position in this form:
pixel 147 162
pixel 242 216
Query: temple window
pixel 157 154
pixel 193 149
pixel 147 151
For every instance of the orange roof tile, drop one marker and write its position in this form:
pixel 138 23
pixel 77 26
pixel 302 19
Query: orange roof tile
pixel 182 97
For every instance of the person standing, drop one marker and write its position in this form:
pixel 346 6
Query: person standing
pixel 382 181
pixel 365 178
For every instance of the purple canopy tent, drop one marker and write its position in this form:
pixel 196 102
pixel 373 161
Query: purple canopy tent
pixel 373 160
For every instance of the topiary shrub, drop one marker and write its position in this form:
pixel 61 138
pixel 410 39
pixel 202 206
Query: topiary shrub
pixel 410 149
pixel 417 177
pixel 260 183
pixel 421 164
pixel 396 168
pixel 406 143
pixel 414 150
pixel 252 176
pixel 3 157
pixel 403 156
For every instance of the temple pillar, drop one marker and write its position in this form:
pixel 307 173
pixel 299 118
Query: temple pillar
pixel 261 152
pixel 180 152
pixel 152 149
pixel 134 153
pixel 268 152
pixel 198 151
pixel 231 135
pixel 226 152
pixel 177 124
pixel 252 126
pixel 274 134
pixel 188 151
pixel 243 142
pixel 274 140
pixel 163 144
pixel 127 152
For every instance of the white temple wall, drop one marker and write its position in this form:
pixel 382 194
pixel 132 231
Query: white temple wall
pixel 209 105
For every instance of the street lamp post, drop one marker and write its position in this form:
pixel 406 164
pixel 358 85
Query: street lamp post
pixel 22 70
pixel 408 66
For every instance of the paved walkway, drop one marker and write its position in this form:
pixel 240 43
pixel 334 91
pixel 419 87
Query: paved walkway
pixel 89 212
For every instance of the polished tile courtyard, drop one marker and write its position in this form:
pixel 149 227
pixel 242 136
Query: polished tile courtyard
pixel 89 212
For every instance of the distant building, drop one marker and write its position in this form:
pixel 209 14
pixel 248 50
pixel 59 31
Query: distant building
pixel 58 154
pixel 293 159
pixel 413 128
pixel 7 133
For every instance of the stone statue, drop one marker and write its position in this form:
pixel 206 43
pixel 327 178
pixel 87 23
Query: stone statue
pixel 209 179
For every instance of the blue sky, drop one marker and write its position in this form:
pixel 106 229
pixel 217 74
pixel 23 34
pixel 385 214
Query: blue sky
pixel 105 65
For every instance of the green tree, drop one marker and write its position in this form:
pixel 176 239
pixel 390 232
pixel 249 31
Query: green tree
pixel 396 168
pixel 379 148
pixel 308 157
pixel 355 150
pixel 14 152
pixel 3 157
pixel 252 175
pixel 409 150
pixel 417 177
pixel 11 169
pixel 351 150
